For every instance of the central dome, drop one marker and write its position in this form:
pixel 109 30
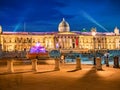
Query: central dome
pixel 63 26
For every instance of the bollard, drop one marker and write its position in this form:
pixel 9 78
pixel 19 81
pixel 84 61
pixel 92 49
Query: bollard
pixel 34 64
pixel 78 63
pixel 107 62
pixel 63 59
pixel 116 62
pixel 98 63
pixel 10 66
pixel 56 65
pixel 104 60
pixel 94 61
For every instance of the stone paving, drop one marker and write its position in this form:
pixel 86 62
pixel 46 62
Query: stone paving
pixel 66 79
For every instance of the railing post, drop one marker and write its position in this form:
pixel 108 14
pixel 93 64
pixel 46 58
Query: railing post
pixel 34 65
pixel 98 63
pixel 10 66
pixel 78 63
pixel 56 65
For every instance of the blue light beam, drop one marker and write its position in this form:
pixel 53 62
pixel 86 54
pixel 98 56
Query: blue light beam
pixel 86 15
pixel 17 26
pixel 22 17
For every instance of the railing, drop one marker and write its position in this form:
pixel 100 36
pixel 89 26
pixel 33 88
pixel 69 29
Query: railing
pixel 11 63
pixel 34 67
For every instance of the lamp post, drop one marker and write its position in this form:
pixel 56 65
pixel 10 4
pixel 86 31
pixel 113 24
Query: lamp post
pixel 93 34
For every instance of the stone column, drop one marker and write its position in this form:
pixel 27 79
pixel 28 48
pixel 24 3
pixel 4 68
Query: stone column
pixel 78 63
pixel 63 42
pixel 71 42
pixel 10 66
pixel 66 42
pixel 56 65
pixel 98 63
pixel 54 41
pixel 34 64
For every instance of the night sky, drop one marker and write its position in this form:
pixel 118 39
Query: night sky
pixel 45 15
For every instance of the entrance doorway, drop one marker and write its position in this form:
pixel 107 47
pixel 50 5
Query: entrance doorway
pixel 73 45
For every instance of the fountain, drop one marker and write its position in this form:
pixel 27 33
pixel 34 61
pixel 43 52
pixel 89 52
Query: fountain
pixel 38 52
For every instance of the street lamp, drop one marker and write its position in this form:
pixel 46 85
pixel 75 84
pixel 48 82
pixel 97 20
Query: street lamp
pixel 93 34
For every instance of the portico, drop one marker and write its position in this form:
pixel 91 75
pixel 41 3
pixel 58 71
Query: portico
pixel 66 40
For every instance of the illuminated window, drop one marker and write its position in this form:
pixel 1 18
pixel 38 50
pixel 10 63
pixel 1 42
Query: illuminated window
pixel 10 41
pixel 4 41
pixel 15 41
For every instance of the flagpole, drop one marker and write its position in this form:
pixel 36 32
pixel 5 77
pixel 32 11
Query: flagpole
pixel 24 27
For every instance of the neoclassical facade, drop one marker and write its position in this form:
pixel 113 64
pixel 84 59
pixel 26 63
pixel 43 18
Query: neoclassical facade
pixel 64 39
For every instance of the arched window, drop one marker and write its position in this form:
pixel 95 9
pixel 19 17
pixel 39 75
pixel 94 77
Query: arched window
pixel 10 40
pixel 33 40
pixel 4 40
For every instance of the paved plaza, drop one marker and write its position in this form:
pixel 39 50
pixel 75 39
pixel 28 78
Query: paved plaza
pixel 66 79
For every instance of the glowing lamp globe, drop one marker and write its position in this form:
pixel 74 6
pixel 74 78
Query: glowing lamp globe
pixel 93 33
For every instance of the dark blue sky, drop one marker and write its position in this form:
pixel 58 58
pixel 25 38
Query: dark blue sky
pixel 45 15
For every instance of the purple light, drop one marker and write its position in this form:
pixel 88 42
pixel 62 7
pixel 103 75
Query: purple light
pixel 57 45
pixel 37 49
pixel 37 44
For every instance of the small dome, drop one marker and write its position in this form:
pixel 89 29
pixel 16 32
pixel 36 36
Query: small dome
pixel 116 31
pixel 63 26
pixel 0 29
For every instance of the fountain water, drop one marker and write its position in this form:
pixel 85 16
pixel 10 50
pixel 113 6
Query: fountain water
pixel 37 51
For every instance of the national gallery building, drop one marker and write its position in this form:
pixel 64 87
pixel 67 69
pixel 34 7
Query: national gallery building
pixel 64 39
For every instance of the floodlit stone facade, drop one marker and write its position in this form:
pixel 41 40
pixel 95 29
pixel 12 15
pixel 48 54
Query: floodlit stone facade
pixel 64 39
